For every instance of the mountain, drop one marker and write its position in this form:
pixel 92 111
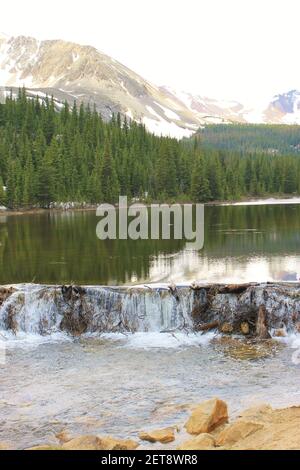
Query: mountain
pixel 73 72
pixel 284 108
pixel 207 110
pixel 70 72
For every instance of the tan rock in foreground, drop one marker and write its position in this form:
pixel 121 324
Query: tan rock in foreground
pixel 99 443
pixel 207 416
pixel 240 429
pixel 280 432
pixel 4 446
pixel 201 442
pixel 256 413
pixel 45 447
pixel 64 437
pixel 159 435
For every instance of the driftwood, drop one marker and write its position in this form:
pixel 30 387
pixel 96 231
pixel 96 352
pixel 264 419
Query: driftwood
pixel 221 288
pixel 234 288
pixel 261 323
pixel 207 326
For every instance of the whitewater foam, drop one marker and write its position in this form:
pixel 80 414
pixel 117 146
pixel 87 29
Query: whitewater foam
pixel 156 340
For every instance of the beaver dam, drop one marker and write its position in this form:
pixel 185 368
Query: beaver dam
pixel 248 309
pixel 115 361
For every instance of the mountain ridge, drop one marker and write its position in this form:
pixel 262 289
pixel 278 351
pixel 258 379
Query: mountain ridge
pixel 70 72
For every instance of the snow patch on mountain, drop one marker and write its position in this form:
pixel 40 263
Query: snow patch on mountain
pixel 69 71
pixel 162 127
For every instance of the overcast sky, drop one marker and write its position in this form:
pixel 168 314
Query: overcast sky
pixel 232 49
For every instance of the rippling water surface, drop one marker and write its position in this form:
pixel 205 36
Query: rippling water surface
pixel 121 385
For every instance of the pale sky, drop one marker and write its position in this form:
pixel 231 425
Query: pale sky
pixel 233 49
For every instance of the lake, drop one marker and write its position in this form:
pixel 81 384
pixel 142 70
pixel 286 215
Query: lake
pixel 120 384
pixel 242 243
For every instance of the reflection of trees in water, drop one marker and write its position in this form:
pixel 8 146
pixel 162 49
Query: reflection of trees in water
pixel 3 240
pixel 248 230
pixel 58 248
pixel 65 248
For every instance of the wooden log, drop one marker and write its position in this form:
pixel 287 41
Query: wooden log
pixel 207 326
pixel 234 288
pixel 261 323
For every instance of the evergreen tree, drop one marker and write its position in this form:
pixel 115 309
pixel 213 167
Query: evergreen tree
pixel 109 181
pixel 200 190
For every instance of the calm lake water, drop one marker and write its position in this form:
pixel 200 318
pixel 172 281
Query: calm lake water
pixel 242 243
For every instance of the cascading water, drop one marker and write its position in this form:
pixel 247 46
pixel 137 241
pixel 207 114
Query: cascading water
pixel 45 310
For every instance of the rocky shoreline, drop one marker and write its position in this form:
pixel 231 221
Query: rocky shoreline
pixel 208 427
pixel 82 206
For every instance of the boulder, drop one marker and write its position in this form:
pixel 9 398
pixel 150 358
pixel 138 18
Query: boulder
pixel 99 443
pixel 245 328
pixel 201 442
pixel 207 416
pixel 159 435
pixel 240 429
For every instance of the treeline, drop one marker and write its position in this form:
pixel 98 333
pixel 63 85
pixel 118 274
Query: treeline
pixel 73 155
pixel 253 138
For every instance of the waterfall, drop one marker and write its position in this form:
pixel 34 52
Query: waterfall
pixel 45 310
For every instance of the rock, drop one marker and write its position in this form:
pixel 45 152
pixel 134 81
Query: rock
pixel 201 442
pixel 159 435
pixel 3 208
pixel 280 333
pixel 226 328
pixel 297 327
pixel 245 328
pixel 261 323
pixel 64 437
pixel 256 412
pixel 207 416
pixel 237 431
pixel 46 447
pixel 280 431
pixel 4 446
pixel 99 443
